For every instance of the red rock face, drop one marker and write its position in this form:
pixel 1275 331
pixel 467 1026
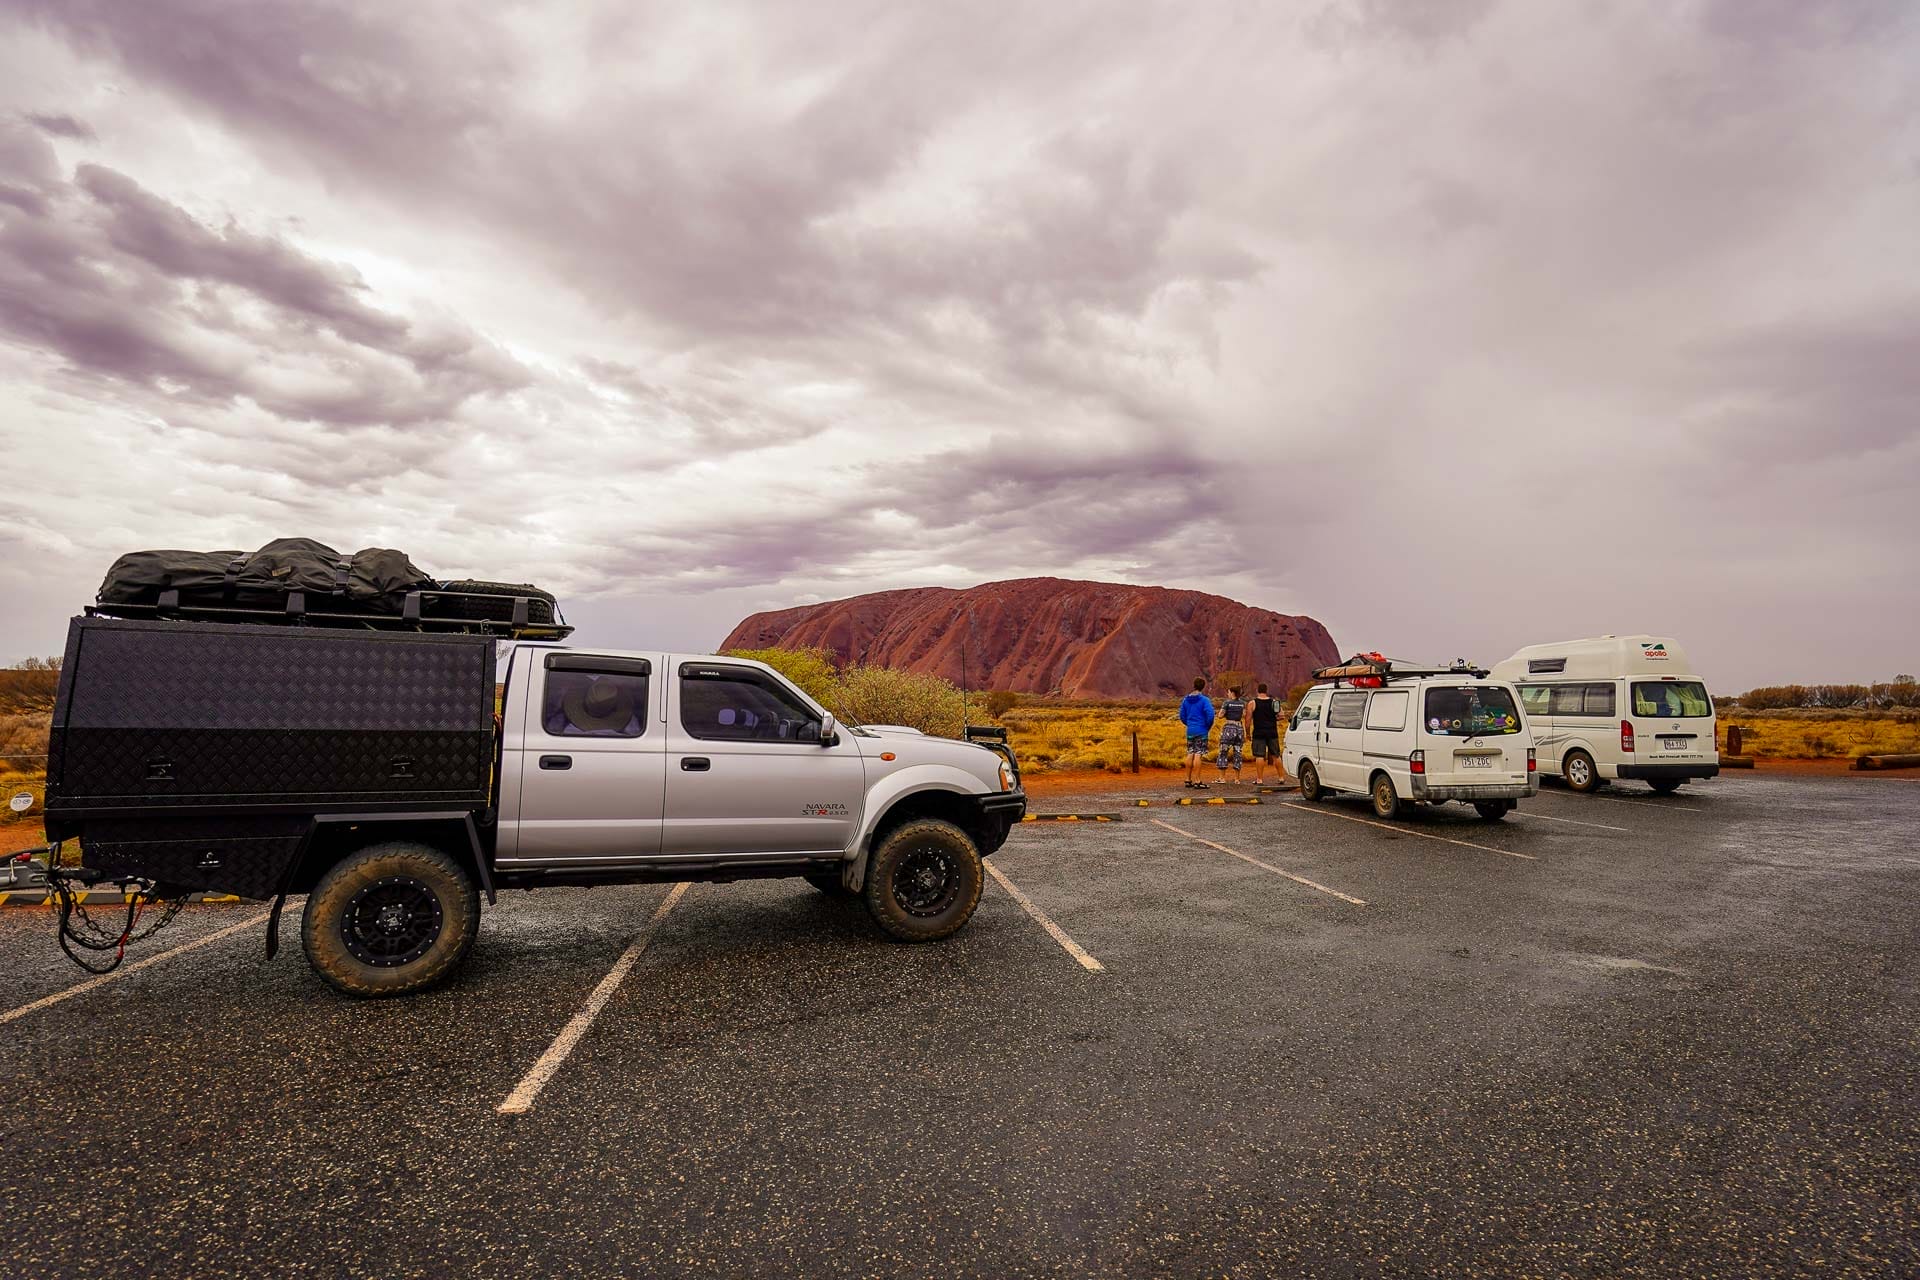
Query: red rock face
pixel 1049 635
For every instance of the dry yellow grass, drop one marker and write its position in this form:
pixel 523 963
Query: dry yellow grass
pixel 1814 735
pixel 1097 735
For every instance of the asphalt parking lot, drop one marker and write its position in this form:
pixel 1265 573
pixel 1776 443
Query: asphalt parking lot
pixel 1611 1036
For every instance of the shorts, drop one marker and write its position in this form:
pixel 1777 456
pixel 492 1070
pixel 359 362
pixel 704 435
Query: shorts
pixel 1265 749
pixel 1196 744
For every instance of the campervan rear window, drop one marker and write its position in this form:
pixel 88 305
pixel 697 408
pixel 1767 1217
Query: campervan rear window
pixel 1472 711
pixel 1675 698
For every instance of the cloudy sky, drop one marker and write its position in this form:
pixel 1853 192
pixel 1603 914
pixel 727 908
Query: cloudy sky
pixel 1455 325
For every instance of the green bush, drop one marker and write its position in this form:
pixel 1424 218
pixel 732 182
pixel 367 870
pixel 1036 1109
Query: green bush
pixel 867 695
pixel 881 695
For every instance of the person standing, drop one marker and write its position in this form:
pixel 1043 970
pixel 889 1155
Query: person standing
pixel 1265 723
pixel 1196 713
pixel 1233 734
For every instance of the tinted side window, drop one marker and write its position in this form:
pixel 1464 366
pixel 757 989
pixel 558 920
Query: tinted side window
pixel 594 704
pixel 1534 698
pixel 1599 699
pixel 1568 699
pixel 1346 710
pixel 731 704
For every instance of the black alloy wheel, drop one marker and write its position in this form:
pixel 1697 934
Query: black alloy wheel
pixel 392 922
pixel 926 881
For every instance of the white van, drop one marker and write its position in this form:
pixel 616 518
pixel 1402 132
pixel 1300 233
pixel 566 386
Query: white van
pixel 1421 736
pixel 1616 707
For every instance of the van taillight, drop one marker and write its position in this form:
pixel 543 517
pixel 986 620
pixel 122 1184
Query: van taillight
pixel 1626 736
pixel 1532 764
pixel 1417 762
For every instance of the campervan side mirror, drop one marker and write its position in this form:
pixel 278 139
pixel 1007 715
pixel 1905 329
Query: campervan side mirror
pixel 829 730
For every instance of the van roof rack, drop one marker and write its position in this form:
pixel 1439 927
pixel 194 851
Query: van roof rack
pixel 1374 670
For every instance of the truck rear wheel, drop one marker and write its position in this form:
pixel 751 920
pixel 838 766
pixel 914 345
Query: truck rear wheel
pixel 390 920
pixel 924 881
pixel 1579 772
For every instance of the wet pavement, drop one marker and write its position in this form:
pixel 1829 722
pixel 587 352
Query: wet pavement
pixel 1610 1036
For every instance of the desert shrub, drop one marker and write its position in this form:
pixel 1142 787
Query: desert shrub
pixel 1001 701
pixel 811 669
pixel 882 695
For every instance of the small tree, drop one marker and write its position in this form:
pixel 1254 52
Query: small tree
pixel 811 669
pixel 882 695
pixel 1001 701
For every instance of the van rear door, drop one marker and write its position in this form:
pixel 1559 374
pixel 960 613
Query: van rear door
pixel 1673 721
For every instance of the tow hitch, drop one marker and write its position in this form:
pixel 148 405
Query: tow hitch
pixel 77 927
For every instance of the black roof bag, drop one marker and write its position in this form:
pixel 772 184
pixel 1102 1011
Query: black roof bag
pixel 373 580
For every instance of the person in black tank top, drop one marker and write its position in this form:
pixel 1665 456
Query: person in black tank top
pixel 1264 715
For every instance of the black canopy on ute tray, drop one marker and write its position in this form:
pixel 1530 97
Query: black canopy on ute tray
pixel 301 581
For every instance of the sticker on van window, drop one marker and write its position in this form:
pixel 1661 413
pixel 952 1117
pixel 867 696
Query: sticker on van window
pixel 1433 722
pixel 1653 652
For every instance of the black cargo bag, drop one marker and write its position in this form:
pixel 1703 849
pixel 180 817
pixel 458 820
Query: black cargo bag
pixel 373 580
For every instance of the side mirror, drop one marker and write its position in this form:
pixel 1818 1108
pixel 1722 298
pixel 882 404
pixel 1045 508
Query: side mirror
pixel 829 730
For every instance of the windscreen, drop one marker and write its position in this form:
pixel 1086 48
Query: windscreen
pixel 1677 699
pixel 1471 712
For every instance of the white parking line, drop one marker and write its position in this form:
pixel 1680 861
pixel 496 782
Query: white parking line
pixel 101 981
pixel 521 1099
pixel 1071 947
pixel 1574 821
pixel 1332 893
pixel 1409 831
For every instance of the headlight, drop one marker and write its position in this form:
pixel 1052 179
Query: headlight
pixel 1006 776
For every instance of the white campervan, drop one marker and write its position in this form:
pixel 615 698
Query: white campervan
pixel 1616 707
pixel 1422 736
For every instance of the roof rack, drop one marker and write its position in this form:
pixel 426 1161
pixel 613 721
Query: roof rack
pixel 419 611
pixel 1371 670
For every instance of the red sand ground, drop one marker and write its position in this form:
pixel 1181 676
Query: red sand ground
pixel 15 836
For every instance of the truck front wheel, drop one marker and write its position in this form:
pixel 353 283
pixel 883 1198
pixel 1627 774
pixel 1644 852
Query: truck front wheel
pixel 924 881
pixel 390 920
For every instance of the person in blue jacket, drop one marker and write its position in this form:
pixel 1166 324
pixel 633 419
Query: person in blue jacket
pixel 1196 712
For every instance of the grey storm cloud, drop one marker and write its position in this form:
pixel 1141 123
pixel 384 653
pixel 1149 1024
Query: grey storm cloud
pixel 128 286
pixel 719 306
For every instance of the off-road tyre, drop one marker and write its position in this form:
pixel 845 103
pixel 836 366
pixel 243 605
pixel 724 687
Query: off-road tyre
pixel 390 920
pixel 1493 810
pixel 831 886
pixel 1579 772
pixel 924 881
pixel 1386 801
pixel 1664 786
pixel 1310 788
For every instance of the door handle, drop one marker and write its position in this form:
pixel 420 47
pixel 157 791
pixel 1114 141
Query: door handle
pixel 556 762
pixel 695 764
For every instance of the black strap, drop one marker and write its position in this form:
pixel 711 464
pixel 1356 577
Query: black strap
pixel 232 576
pixel 340 572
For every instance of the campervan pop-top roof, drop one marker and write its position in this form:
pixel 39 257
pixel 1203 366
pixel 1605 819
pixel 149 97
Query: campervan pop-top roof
pixel 1599 658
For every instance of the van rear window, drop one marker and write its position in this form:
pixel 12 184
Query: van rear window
pixel 1675 698
pixel 1471 712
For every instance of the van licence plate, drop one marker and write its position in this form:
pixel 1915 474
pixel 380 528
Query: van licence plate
pixel 1474 762
pixel 1675 744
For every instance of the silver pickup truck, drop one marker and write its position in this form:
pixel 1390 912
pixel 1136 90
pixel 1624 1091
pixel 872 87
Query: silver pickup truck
pixel 396 778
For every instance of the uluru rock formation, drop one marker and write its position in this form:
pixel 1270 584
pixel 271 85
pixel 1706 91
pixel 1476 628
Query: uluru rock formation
pixel 1051 635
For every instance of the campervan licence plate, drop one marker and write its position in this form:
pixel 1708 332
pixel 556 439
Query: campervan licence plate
pixel 1675 744
pixel 1476 762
